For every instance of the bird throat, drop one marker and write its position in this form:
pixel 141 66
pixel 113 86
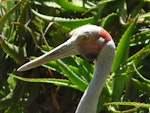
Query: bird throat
pixel 91 56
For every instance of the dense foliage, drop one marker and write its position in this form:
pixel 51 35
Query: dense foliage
pixel 28 28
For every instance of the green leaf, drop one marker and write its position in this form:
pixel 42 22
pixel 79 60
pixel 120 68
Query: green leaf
pixel 5 17
pixel 86 70
pixel 69 6
pixel 137 8
pixel 122 51
pixel 70 23
pixel 72 76
pixel 140 38
pixel 141 86
pixel 53 66
pixel 144 18
pixel 100 6
pixel 119 83
pixel 59 82
pixel 136 104
pixel 77 66
pixel 140 76
pixel 68 67
pixel 140 55
pixel 17 53
pixel 107 22
pixel 122 11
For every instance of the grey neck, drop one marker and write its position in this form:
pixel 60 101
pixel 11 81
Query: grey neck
pixel 103 63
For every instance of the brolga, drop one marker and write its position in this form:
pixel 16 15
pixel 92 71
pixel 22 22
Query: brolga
pixel 94 43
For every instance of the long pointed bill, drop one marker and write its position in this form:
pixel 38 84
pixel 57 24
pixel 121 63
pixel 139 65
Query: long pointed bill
pixel 64 50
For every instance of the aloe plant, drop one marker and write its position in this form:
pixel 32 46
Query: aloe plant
pixel 28 28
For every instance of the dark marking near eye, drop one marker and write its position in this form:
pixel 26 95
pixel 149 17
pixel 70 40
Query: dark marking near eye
pixel 90 56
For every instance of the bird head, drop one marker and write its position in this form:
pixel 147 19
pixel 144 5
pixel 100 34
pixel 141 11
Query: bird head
pixel 87 40
pixel 90 39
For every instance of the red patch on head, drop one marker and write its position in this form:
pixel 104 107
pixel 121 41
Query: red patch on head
pixel 103 33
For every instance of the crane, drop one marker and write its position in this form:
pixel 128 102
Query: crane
pixel 94 43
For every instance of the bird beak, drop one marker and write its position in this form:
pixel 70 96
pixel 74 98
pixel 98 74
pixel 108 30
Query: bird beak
pixel 66 49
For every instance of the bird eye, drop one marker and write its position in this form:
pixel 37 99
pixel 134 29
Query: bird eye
pixel 100 40
pixel 85 37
